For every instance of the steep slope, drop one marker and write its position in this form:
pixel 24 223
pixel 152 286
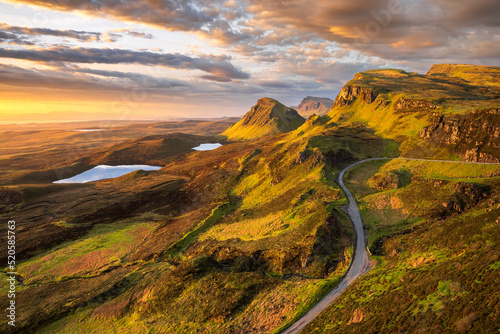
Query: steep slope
pixel 314 105
pixel 412 108
pixel 434 238
pixel 267 117
pixel 432 226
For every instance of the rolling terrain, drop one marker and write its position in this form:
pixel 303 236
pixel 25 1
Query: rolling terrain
pixel 248 237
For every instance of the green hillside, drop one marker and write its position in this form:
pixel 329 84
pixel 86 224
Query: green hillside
pixel 267 117
pixel 424 112
pixel 432 226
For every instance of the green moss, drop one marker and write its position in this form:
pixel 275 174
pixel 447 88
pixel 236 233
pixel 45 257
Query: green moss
pixel 104 247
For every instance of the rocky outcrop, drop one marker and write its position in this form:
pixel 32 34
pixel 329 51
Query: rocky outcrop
pixel 410 105
pixel 314 105
pixel 392 179
pixel 267 117
pixel 466 196
pixel 314 155
pixel 474 136
pixel 349 93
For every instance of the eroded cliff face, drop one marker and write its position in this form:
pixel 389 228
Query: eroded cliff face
pixel 413 105
pixel 474 136
pixel 349 93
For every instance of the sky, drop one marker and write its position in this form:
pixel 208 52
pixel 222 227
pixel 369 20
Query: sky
pixel 160 59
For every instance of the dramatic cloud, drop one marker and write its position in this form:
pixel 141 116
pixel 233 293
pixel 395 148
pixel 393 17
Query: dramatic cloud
pixel 26 36
pixel 183 15
pixel 216 65
pixel 141 80
pixel 292 48
pixel 70 79
pixel 83 36
pixel 396 30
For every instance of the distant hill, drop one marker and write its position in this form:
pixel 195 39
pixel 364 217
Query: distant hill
pixel 314 105
pixel 267 117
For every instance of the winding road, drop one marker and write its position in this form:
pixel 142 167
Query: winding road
pixel 360 263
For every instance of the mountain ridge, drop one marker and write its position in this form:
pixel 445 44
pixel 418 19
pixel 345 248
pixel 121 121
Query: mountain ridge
pixel 267 117
pixel 314 105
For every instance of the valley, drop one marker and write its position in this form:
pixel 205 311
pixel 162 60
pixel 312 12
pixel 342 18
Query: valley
pixel 248 236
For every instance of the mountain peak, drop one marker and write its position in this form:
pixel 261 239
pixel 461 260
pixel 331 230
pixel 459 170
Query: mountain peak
pixel 314 105
pixel 267 117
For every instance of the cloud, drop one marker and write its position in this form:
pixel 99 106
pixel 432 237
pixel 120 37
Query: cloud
pixel 181 15
pixel 142 80
pixel 215 78
pixel 24 32
pixel 26 35
pixel 215 65
pixel 390 29
pixel 293 47
pixel 394 30
pixel 76 79
pixel 138 34
pixel 275 84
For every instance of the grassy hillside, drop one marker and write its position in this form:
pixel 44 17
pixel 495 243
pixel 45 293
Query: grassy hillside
pixel 245 237
pixel 267 117
pixel 432 226
pixel 434 240
pixel 399 105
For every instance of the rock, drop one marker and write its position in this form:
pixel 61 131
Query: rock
pixel 475 136
pixel 413 105
pixel 302 157
pixel 466 196
pixel 349 93
pixel 314 155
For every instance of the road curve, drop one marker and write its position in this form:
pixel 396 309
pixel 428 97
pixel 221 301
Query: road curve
pixel 360 264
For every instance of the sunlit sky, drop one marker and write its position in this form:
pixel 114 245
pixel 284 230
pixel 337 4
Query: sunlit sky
pixel 153 59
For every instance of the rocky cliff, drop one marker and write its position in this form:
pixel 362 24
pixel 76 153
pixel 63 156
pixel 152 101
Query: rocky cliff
pixel 349 93
pixel 474 136
pixel 411 105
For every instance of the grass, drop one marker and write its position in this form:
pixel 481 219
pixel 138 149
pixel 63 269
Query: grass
pixel 358 176
pixel 104 247
pixel 442 170
pixel 433 276
pixel 267 117
pixel 217 214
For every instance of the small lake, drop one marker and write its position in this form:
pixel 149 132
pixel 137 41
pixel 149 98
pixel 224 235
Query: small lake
pixel 103 172
pixel 207 147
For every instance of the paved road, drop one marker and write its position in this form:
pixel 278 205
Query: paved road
pixel 361 261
